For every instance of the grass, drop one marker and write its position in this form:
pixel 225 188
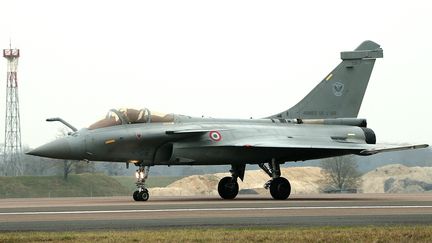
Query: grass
pixel 255 234
pixel 82 185
pixel 152 181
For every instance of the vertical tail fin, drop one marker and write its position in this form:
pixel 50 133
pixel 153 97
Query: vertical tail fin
pixel 341 92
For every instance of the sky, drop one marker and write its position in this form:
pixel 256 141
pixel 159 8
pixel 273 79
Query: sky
pixel 228 59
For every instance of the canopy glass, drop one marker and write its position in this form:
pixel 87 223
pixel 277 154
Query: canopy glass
pixel 131 116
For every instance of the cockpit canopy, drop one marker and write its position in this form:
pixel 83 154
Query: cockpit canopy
pixel 131 116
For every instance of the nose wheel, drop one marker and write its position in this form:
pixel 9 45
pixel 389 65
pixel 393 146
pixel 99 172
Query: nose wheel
pixel 141 193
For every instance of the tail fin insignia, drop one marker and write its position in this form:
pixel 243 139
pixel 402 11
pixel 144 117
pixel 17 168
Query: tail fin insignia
pixel 340 93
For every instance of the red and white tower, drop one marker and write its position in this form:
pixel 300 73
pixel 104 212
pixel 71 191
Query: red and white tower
pixel 12 152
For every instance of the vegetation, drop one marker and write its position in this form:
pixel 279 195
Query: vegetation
pixel 82 185
pixel 255 234
pixel 341 173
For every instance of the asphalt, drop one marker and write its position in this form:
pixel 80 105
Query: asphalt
pixel 112 213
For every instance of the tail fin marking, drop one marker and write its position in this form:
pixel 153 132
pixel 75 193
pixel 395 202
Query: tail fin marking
pixel 341 92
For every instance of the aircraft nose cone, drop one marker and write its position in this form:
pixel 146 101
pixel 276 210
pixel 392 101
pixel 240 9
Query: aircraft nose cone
pixel 58 149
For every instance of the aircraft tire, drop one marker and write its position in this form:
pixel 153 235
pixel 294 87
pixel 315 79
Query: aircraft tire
pixel 280 188
pixel 135 196
pixel 227 188
pixel 143 195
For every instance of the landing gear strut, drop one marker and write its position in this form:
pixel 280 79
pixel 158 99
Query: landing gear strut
pixel 228 187
pixel 141 194
pixel 280 188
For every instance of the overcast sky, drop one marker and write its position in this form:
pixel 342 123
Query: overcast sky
pixel 234 59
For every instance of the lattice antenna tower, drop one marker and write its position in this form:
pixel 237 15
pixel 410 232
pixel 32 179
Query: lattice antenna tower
pixel 12 165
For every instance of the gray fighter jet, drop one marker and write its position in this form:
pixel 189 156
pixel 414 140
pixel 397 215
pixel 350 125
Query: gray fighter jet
pixel 323 124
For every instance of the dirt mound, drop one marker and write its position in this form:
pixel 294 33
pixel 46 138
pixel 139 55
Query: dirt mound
pixel 303 180
pixel 189 186
pixel 397 178
pixel 394 178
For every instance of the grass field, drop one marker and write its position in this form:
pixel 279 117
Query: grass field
pixel 280 234
pixel 82 185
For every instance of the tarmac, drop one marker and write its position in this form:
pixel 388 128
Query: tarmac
pixel 122 213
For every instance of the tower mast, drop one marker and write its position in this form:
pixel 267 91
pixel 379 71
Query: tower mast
pixel 12 165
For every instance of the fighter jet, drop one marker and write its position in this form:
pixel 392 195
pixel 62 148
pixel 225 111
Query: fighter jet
pixel 323 124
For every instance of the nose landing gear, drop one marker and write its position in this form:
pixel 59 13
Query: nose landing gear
pixel 141 194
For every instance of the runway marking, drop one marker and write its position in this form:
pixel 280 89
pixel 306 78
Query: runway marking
pixel 207 209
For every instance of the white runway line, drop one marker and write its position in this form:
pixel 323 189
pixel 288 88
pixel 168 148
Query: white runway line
pixel 207 209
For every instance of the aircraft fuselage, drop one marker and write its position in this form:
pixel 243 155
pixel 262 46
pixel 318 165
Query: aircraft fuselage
pixel 203 141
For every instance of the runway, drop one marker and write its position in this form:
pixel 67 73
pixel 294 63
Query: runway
pixel 60 214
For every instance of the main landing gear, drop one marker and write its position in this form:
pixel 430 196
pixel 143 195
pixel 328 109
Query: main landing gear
pixel 280 188
pixel 141 194
pixel 228 187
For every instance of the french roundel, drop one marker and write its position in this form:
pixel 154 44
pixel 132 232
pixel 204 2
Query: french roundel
pixel 215 136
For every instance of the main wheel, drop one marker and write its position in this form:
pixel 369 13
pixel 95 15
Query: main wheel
pixel 280 188
pixel 136 196
pixel 227 188
pixel 143 195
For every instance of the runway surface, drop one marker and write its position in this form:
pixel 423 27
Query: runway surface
pixel 60 214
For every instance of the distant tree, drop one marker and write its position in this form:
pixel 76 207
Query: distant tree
pixel 84 167
pixel 67 164
pixel 37 166
pixel 114 169
pixel 67 168
pixel 341 173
